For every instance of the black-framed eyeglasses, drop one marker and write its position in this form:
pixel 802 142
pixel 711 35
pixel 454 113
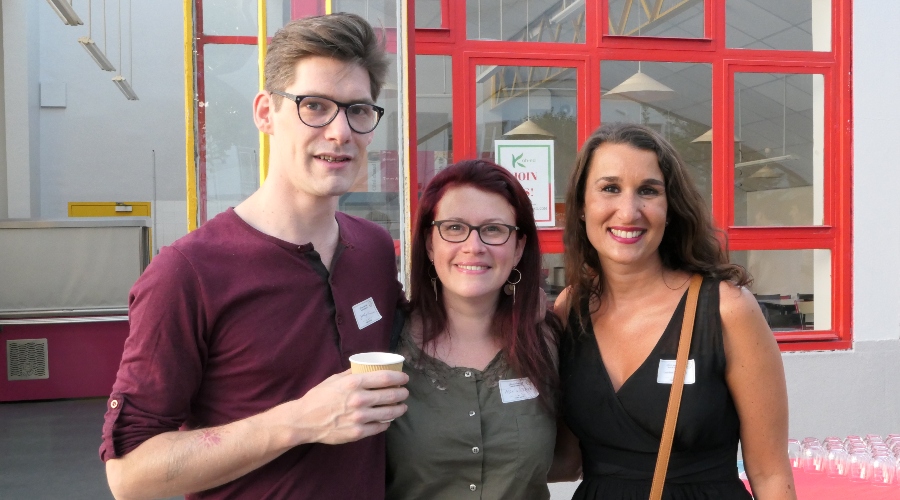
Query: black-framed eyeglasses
pixel 492 233
pixel 317 111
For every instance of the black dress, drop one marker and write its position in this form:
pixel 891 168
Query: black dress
pixel 619 432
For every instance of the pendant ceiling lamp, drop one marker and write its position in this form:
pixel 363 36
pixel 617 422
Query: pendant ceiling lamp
pixel 707 137
pixel 528 127
pixel 641 88
pixel 120 80
pixel 64 10
pixel 92 49
pixel 767 172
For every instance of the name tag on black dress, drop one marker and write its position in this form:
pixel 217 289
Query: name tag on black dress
pixel 666 373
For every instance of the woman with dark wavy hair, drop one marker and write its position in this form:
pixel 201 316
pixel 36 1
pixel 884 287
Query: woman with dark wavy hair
pixel 636 230
pixel 482 373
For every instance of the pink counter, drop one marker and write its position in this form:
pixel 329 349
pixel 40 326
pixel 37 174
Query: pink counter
pixel 82 359
pixel 821 487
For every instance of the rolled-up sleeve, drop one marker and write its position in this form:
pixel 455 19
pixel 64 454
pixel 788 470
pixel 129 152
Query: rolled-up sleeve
pixel 161 367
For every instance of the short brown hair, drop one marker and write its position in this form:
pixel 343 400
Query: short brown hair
pixel 342 36
pixel 690 241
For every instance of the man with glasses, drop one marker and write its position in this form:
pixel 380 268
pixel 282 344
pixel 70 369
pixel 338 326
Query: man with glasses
pixel 234 378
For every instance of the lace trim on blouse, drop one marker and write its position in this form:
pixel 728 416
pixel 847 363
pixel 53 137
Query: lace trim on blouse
pixel 438 371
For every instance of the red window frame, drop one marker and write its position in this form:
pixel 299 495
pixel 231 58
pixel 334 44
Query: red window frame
pixel 834 65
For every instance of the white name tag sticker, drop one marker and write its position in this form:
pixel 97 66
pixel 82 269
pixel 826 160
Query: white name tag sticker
pixel 366 313
pixel 666 373
pixel 517 389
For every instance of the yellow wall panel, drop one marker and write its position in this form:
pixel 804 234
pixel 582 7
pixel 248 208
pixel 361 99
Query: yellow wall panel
pixel 109 209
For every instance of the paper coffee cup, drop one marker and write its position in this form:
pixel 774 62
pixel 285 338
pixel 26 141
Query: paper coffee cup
pixel 374 361
pixel 365 362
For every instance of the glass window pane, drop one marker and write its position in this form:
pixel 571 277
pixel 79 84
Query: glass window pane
pixel 675 99
pixel 428 14
pixel 379 13
pixel 530 103
pixel 793 287
pixel 232 141
pixel 434 115
pixel 779 158
pixel 278 13
pixel 525 20
pixel 553 276
pixel 779 25
pixel 376 193
pixel 238 17
pixel 661 18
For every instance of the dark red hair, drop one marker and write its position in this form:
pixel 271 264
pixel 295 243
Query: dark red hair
pixel 524 340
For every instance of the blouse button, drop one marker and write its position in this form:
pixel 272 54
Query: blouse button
pixel 475 449
pixel 114 404
pixel 472 487
pixel 471 413
pixel 468 374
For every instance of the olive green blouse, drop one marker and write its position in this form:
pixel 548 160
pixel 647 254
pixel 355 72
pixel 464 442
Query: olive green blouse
pixel 459 440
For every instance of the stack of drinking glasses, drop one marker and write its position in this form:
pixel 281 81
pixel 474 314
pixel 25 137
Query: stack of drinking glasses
pixel 868 459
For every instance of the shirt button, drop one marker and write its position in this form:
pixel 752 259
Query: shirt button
pixel 468 374
pixel 471 413
pixel 472 487
pixel 339 320
pixel 475 449
pixel 114 404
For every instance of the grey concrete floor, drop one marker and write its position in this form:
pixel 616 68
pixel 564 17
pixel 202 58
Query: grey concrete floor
pixel 48 451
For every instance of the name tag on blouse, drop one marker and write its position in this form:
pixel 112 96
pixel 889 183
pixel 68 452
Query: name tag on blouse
pixel 517 389
pixel 666 373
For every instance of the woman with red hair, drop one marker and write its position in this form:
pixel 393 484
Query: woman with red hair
pixel 482 372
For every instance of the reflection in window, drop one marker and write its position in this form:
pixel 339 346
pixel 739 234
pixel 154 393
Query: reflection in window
pixel 675 99
pixel 553 276
pixel 793 287
pixel 238 17
pixel 660 18
pixel 428 14
pixel 559 21
pixel 530 103
pixel 232 141
pixel 779 25
pixel 779 157
pixel 434 115
pixel 376 193
pixel 379 13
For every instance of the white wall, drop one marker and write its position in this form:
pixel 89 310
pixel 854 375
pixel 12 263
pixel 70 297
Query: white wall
pixel 100 146
pixel 876 176
pixel 4 198
pixel 20 74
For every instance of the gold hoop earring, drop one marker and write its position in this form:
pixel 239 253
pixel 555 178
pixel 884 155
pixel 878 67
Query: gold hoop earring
pixel 510 287
pixel 434 279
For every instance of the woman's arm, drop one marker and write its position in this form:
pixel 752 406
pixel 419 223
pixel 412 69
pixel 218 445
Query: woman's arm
pixel 755 377
pixel 566 456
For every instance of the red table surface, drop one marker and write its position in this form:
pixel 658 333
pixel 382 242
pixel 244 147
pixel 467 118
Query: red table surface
pixel 821 487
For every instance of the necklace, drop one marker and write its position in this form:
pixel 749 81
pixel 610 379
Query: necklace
pixel 677 287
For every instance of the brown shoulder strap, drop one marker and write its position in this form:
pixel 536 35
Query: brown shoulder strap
pixel 684 349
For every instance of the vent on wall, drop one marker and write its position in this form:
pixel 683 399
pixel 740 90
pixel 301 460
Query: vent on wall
pixel 26 359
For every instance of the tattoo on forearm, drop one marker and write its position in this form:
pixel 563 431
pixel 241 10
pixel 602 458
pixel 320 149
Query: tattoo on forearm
pixel 209 438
